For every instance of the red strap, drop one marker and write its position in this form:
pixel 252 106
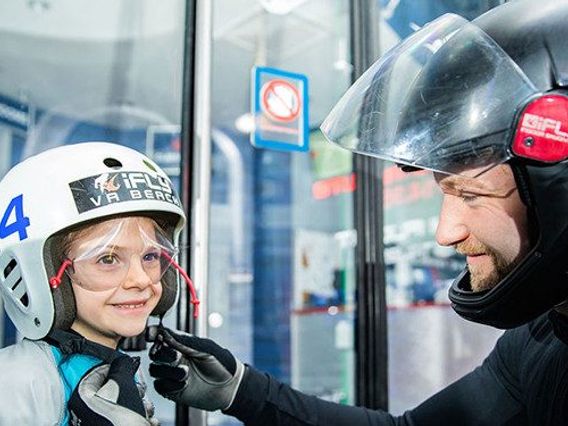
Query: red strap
pixel 194 300
pixel 55 281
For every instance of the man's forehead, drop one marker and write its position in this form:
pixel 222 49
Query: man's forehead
pixel 495 180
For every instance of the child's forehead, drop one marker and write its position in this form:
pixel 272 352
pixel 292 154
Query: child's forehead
pixel 127 229
pixel 121 223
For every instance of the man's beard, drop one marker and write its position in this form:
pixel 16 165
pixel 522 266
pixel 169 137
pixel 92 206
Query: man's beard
pixel 480 278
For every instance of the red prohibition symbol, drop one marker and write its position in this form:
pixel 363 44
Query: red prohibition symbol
pixel 280 100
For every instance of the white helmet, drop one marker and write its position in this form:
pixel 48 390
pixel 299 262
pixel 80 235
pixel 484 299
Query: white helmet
pixel 61 188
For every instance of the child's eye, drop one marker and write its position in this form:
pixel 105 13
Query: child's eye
pixel 152 256
pixel 107 259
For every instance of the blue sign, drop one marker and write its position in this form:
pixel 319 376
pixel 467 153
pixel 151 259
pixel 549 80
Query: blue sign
pixel 13 113
pixel 280 110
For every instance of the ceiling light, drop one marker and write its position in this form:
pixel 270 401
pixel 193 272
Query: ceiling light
pixel 280 7
pixel 245 123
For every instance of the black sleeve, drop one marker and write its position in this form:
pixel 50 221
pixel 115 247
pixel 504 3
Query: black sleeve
pixel 479 398
pixel 261 400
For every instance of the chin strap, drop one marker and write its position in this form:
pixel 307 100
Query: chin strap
pixel 72 343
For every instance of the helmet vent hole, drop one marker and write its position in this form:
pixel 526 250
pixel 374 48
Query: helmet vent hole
pixel 10 267
pixel 16 284
pixel 24 299
pixel 112 163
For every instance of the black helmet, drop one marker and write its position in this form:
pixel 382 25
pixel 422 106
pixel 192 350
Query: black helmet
pixel 459 95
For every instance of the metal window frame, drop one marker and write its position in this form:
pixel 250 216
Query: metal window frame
pixel 371 327
pixel 371 339
pixel 194 188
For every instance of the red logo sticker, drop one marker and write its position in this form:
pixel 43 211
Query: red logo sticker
pixel 542 130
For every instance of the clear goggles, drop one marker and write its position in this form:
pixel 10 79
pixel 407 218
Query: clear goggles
pixel 444 99
pixel 122 251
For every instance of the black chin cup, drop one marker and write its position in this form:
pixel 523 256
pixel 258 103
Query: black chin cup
pixel 534 287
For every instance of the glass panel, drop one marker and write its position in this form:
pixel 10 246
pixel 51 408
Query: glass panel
pixel 82 71
pixel 281 250
pixel 423 329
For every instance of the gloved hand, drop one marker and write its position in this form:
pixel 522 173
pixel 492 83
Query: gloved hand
pixel 108 395
pixel 192 370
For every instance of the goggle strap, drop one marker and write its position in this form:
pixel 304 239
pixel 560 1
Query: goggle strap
pixel 194 300
pixel 55 281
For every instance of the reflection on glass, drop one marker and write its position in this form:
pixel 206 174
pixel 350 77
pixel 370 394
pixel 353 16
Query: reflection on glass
pixel 281 247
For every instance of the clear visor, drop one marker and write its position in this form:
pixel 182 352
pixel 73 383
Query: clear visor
pixel 127 250
pixel 444 100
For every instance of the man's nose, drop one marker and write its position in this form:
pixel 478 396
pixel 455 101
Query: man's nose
pixel 452 228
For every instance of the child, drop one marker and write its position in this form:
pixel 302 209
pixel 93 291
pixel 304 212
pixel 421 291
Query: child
pixel 88 237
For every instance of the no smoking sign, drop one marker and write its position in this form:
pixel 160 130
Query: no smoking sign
pixel 280 100
pixel 280 109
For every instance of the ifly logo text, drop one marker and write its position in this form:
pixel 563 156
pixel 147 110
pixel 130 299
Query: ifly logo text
pixel 548 128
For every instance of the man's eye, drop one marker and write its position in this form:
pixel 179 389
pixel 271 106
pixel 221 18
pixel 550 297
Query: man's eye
pixel 468 198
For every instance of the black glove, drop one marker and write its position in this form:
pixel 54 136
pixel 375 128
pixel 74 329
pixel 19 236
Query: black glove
pixel 108 395
pixel 192 370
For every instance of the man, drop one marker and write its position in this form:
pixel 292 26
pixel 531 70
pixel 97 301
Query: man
pixel 484 105
pixel 486 221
